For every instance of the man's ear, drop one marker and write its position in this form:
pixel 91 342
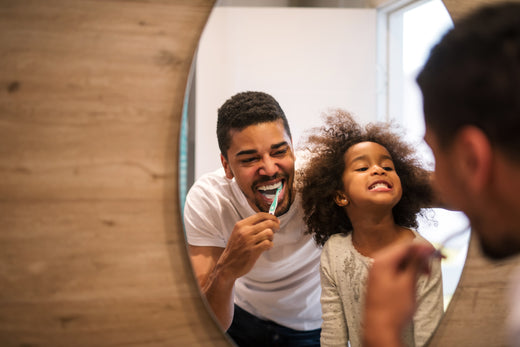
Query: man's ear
pixel 227 168
pixel 474 157
pixel 341 199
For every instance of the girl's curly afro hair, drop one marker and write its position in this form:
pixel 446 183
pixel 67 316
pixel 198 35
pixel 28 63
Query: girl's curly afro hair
pixel 321 177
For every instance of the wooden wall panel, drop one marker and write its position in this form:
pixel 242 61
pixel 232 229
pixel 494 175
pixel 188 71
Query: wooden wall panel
pixel 91 244
pixel 92 251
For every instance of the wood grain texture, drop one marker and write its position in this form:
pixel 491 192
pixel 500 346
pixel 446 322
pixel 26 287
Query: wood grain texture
pixel 459 8
pixel 92 251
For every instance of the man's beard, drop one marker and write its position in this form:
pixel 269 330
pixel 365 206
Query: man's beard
pixel 506 247
pixel 287 182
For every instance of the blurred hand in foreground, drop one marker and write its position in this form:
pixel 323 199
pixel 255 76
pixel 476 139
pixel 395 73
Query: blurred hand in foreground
pixel 391 289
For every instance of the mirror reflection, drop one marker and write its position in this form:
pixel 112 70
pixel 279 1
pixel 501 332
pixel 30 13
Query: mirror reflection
pixel 309 60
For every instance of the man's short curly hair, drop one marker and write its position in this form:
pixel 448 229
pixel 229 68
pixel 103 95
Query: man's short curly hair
pixel 245 109
pixel 321 177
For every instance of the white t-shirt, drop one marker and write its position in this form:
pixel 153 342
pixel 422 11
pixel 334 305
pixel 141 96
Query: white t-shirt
pixel 284 284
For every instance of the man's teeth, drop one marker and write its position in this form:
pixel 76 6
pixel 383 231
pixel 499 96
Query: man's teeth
pixel 271 186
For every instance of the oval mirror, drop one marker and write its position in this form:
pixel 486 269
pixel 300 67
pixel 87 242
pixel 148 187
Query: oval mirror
pixel 361 56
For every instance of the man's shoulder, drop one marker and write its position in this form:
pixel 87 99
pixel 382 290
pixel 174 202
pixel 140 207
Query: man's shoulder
pixel 218 175
pixel 210 208
pixel 212 182
pixel 213 190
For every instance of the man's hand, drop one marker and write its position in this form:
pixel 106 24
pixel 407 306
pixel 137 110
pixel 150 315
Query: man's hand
pixel 391 287
pixel 249 239
pixel 217 269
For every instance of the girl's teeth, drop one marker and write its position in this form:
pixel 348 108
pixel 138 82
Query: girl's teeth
pixel 379 185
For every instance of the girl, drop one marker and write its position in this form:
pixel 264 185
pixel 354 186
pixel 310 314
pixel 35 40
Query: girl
pixel 362 190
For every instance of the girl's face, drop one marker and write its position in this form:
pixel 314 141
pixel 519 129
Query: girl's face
pixel 369 177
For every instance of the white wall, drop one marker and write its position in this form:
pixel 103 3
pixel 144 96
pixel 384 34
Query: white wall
pixel 309 59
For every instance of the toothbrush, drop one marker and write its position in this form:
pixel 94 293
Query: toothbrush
pixel 275 201
pixel 439 252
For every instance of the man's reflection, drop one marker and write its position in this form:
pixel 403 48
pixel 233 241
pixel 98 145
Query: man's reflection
pixel 259 272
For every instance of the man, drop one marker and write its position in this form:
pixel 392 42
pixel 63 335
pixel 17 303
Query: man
pixel 471 95
pixel 258 271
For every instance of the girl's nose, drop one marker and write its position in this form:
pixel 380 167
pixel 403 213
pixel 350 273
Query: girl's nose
pixel 378 170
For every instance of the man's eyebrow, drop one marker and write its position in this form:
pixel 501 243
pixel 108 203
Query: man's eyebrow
pixel 254 151
pixel 246 152
pixel 278 145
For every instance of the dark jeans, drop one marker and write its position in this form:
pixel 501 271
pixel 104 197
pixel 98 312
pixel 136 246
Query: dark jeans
pixel 250 331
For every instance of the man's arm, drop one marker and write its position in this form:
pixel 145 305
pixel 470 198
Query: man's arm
pixel 214 285
pixel 217 268
pixel 390 300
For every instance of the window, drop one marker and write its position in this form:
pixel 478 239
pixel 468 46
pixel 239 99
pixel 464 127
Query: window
pixel 406 32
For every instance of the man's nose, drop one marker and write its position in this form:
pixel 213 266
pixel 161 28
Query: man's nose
pixel 269 167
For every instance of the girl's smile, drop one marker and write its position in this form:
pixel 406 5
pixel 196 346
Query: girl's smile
pixel 369 169
pixel 380 186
